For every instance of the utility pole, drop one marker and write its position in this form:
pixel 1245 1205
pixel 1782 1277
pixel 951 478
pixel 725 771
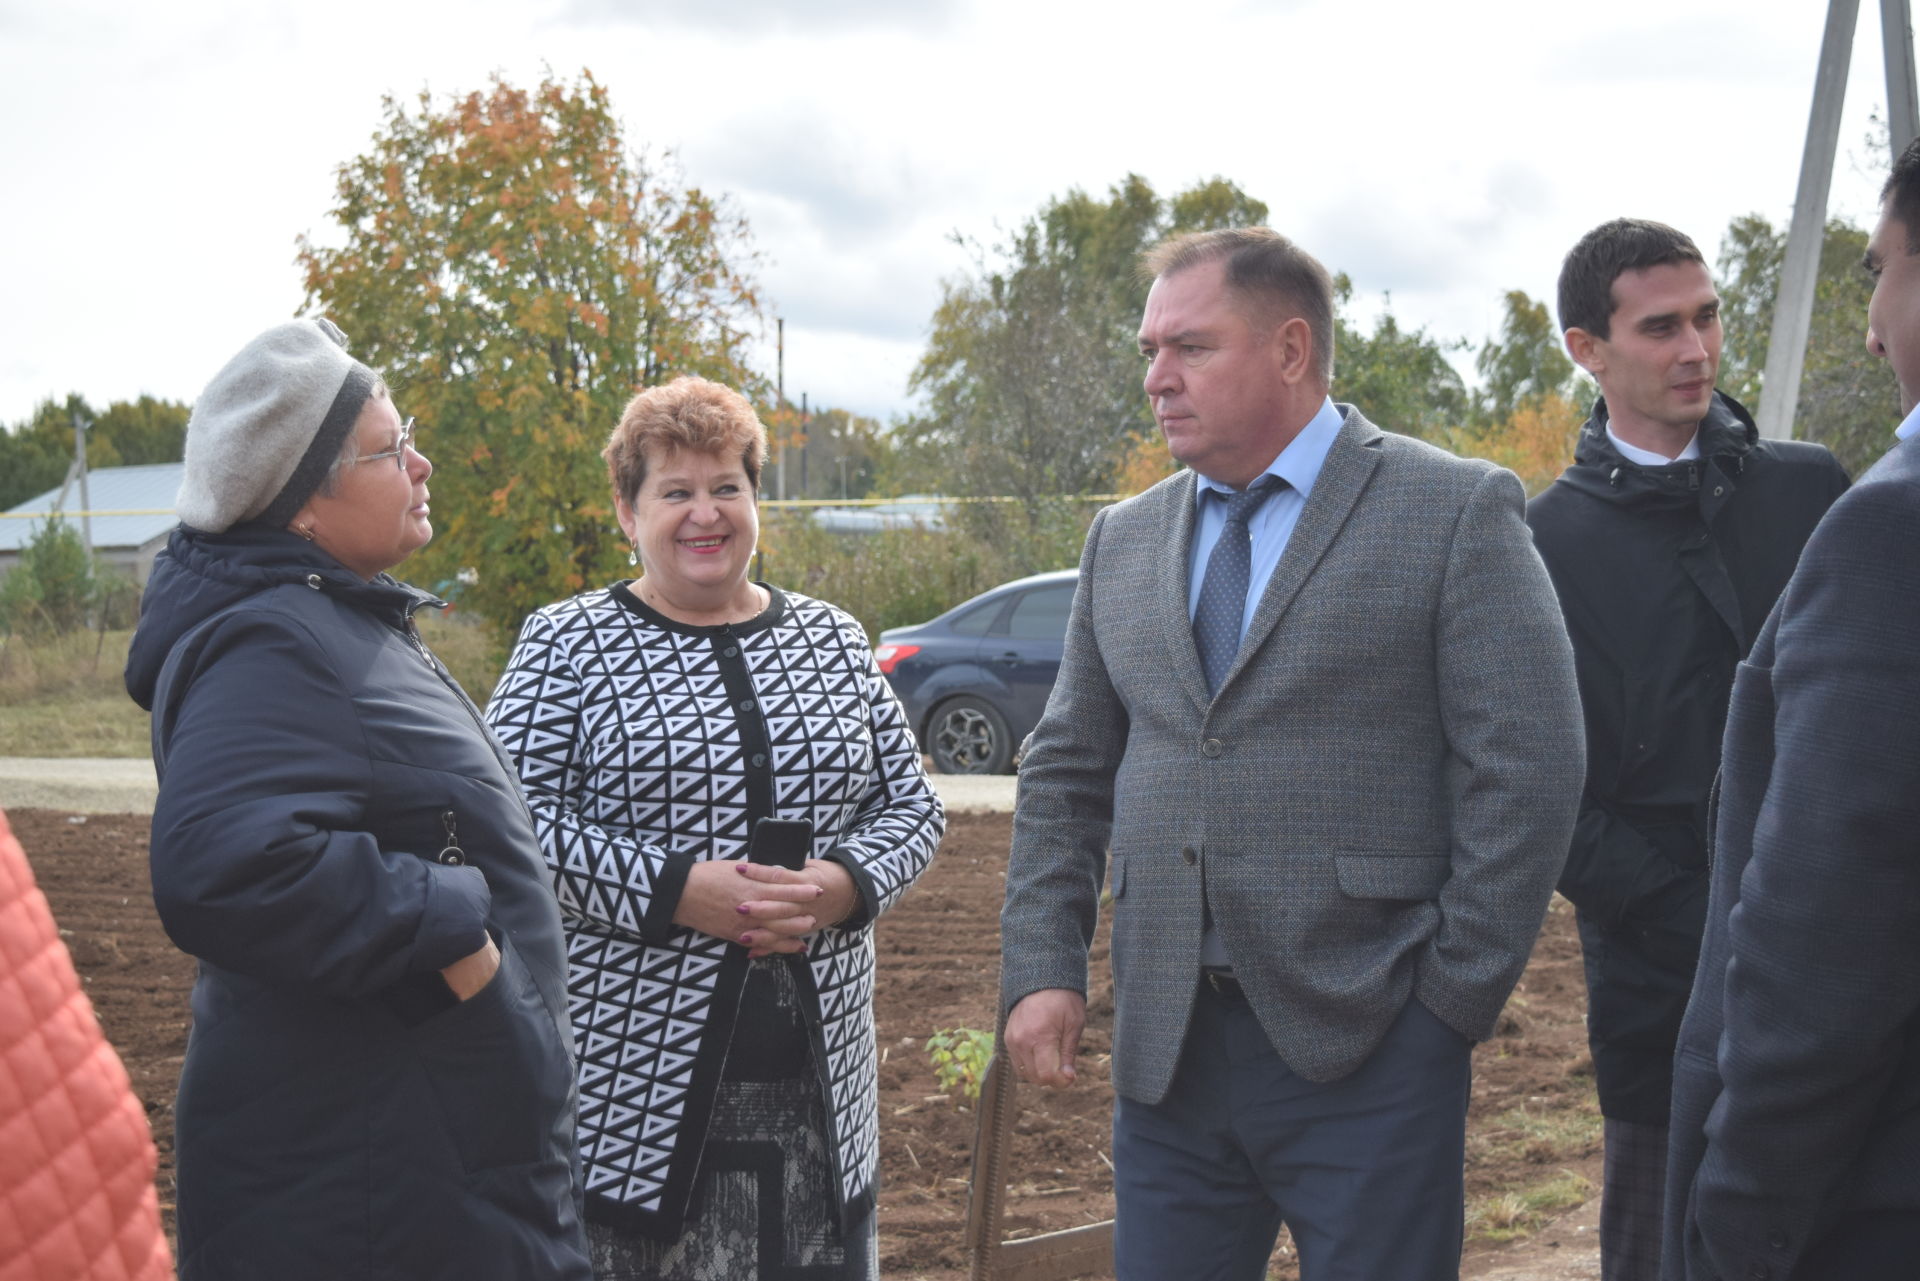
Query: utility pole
pixel 780 406
pixel 80 425
pixel 1793 307
pixel 805 421
pixel 1896 46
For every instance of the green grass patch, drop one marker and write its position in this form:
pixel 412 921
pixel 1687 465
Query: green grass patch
pixel 1539 1138
pixel 62 696
pixel 467 648
pixel 1516 1212
pixel 1546 1132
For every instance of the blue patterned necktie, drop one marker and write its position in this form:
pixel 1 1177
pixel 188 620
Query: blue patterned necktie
pixel 1223 592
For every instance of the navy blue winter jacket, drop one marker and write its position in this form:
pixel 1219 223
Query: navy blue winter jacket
pixel 334 826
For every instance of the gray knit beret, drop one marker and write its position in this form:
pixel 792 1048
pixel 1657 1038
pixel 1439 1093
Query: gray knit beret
pixel 269 425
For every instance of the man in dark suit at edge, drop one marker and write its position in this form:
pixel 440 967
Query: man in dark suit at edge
pixel 1317 697
pixel 1668 539
pixel 1796 1094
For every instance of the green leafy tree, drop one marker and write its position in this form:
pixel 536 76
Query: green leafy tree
pixel 140 432
pixel 52 585
pixel 1030 375
pixel 517 271
pixel 1399 378
pixel 1527 361
pixel 35 455
pixel 1848 399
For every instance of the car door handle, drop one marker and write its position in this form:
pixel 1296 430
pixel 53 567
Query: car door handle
pixel 1011 658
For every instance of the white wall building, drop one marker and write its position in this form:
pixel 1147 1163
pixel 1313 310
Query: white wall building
pixel 132 515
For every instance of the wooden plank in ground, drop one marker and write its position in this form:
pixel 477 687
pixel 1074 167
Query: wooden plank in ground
pixel 1056 1256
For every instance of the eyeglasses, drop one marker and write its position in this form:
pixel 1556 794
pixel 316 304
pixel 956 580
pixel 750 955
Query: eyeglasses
pixel 398 453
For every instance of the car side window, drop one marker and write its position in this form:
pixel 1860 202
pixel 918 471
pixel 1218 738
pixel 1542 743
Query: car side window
pixel 975 622
pixel 1041 614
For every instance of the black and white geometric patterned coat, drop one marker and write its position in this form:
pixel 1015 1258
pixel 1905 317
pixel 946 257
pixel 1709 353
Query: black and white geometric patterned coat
pixel 644 745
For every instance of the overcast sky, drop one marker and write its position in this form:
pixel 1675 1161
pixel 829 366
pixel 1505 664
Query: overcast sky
pixel 161 159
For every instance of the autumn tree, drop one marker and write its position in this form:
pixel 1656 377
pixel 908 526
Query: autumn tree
pixel 1031 376
pixel 517 270
pixel 1848 399
pixel 1535 440
pixel 837 454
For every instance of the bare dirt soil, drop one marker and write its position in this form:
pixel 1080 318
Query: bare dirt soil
pixel 938 964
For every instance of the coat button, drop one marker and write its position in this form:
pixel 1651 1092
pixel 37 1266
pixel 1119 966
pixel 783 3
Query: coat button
pixel 1211 748
pixel 759 760
pixel 746 704
pixel 1189 856
pixel 1718 490
pixel 731 651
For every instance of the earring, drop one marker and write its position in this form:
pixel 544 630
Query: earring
pixel 305 531
pixel 633 555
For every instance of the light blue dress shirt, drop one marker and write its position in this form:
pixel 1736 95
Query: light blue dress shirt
pixel 1904 431
pixel 1272 525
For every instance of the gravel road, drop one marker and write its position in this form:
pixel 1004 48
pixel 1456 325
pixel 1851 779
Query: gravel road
pixel 126 786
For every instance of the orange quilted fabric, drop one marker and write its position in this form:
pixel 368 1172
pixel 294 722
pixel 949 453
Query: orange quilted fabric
pixel 76 1158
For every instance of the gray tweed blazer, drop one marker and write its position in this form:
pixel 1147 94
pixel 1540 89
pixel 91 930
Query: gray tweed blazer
pixel 1376 803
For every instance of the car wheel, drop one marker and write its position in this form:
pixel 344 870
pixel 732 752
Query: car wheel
pixel 968 736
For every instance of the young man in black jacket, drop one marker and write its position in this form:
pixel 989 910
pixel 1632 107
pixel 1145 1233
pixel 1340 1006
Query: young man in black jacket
pixel 1668 540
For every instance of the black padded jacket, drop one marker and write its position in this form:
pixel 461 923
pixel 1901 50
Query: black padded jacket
pixel 334 825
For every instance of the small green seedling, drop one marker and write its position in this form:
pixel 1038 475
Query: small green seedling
pixel 960 1056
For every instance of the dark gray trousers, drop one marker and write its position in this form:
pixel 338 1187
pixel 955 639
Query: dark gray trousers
pixel 1366 1171
pixel 1633 1189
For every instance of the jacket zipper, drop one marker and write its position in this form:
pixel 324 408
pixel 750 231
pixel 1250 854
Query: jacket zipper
pixel 460 696
pixel 451 854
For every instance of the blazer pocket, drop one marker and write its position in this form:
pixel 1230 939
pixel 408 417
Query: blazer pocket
pixel 1391 876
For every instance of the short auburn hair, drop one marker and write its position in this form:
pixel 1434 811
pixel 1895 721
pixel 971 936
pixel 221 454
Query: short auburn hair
pixel 687 413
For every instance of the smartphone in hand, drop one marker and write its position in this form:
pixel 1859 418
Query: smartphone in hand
pixel 781 842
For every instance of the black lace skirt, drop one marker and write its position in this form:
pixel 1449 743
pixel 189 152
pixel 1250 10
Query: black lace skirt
pixel 763 1208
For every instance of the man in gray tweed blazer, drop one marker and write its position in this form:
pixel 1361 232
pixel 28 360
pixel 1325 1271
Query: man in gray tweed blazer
pixel 1318 701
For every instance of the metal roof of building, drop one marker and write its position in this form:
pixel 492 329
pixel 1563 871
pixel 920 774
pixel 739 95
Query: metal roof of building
pixel 148 490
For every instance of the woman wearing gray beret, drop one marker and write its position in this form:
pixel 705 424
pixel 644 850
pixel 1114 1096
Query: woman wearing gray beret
pixel 379 1079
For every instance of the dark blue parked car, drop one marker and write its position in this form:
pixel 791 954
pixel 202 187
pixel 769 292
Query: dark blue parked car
pixel 975 679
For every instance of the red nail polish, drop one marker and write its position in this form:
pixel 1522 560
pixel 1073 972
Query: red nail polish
pixel 741 908
pixel 746 938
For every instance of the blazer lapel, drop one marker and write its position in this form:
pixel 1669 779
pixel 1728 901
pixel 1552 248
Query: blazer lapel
pixel 1350 463
pixel 1170 597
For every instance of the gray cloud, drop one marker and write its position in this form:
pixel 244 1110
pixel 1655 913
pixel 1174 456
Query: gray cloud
pixel 851 186
pixel 752 18
pixel 1702 49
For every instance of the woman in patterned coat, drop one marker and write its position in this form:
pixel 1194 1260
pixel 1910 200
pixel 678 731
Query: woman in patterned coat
pixel 723 1010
